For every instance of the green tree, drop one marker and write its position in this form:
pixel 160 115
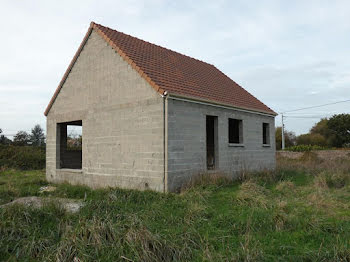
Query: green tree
pixel 289 138
pixel 22 138
pixel 3 139
pixel 339 126
pixel 313 139
pixel 322 129
pixel 37 136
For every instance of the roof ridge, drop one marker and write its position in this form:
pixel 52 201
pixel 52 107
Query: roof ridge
pixel 154 44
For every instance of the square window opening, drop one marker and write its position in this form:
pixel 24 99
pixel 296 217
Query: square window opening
pixel 69 145
pixel 266 134
pixel 235 131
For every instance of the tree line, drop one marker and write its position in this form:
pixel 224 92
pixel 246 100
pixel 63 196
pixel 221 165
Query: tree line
pixel 328 132
pixel 35 138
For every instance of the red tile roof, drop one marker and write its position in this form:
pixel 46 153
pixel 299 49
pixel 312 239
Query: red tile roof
pixel 175 73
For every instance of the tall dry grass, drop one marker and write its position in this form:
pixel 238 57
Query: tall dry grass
pixel 206 179
pixel 308 162
pixel 312 163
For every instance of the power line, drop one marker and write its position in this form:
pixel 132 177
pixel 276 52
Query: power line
pixel 310 107
pixel 303 116
pixel 325 112
pixel 304 108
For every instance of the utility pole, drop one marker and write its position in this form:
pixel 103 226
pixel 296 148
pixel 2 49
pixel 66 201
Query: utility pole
pixel 283 145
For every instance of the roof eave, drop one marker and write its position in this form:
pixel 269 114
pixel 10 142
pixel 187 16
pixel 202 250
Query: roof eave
pixel 224 105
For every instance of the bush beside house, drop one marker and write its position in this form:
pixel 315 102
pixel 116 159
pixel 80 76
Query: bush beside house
pixel 22 157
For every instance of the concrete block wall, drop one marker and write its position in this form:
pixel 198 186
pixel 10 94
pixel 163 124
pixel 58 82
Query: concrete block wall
pixel 186 138
pixel 122 123
pixel 71 159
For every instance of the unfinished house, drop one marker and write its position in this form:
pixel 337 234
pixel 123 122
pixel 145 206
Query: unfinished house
pixel 151 118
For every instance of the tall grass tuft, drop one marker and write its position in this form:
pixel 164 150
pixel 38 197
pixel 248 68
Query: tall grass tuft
pixel 206 179
pixel 252 194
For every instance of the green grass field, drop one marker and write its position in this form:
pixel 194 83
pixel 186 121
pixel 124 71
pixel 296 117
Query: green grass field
pixel 300 212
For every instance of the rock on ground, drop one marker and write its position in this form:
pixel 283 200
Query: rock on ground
pixel 69 205
pixel 47 189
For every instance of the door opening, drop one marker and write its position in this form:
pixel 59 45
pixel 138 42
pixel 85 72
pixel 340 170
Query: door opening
pixel 211 127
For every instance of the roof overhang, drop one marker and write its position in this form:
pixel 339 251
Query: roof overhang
pixel 208 102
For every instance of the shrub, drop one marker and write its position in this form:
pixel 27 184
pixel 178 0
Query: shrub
pixel 312 139
pixel 305 148
pixel 22 157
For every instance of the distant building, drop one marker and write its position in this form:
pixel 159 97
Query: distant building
pixel 151 118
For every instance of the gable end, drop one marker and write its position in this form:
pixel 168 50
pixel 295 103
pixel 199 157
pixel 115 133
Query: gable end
pixel 115 47
pixel 63 80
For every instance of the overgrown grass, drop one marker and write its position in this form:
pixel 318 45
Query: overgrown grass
pixel 300 212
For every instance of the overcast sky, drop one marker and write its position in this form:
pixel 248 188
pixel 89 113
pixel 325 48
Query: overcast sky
pixel 289 54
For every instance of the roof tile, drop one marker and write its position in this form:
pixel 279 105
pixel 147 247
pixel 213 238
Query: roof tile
pixel 176 73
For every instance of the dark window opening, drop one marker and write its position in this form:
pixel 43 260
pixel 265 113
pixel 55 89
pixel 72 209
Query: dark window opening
pixel 235 131
pixel 211 131
pixel 69 145
pixel 266 134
